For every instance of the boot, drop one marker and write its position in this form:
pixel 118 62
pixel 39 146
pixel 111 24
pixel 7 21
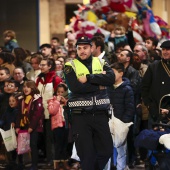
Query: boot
pixel 56 164
pixel 66 166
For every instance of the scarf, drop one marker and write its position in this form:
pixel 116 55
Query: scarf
pixel 25 110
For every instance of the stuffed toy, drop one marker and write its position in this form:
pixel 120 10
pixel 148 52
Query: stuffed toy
pixel 120 36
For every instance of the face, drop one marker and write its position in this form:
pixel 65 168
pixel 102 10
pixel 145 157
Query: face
pixel 58 65
pixel 60 91
pixel 3 75
pixel 35 64
pixel 149 45
pixel 46 51
pixel 118 76
pixel 122 57
pixel 44 67
pixel 10 87
pixel 18 75
pixel 61 60
pixel 27 90
pixel 54 43
pixel 166 53
pixel 1 61
pixel 12 102
pixel 7 38
pixel 84 51
pixel 138 50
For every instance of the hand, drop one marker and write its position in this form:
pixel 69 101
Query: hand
pixel 164 111
pixel 17 130
pixel 104 72
pixel 58 98
pixel 13 125
pixel 102 87
pixel 82 79
pixel 30 130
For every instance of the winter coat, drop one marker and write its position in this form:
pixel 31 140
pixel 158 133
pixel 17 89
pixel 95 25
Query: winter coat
pixel 155 84
pixel 35 114
pixel 9 117
pixel 11 45
pixel 56 111
pixel 122 100
pixel 47 84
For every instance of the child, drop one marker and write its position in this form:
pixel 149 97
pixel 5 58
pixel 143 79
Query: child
pixel 30 117
pixel 4 75
pixel 122 100
pixel 10 86
pixel 10 40
pixel 8 119
pixel 55 107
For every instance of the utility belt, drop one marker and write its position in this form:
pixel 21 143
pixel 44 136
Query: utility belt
pixel 99 101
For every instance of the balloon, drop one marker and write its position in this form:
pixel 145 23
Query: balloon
pixel 137 37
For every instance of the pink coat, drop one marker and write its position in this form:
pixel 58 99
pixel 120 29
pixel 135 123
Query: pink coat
pixel 55 110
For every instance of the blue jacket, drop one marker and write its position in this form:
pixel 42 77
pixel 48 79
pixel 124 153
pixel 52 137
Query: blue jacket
pixel 122 100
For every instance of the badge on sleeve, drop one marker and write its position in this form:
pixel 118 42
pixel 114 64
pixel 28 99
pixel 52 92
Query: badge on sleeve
pixel 67 69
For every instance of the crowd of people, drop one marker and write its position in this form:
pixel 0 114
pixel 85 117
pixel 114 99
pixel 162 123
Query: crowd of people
pixel 61 94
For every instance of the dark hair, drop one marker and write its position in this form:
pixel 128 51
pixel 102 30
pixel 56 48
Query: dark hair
pixel 55 38
pixel 17 84
pixel 31 84
pixel 20 56
pixel 7 57
pixel 61 85
pixel 98 42
pixel 38 56
pixel 154 55
pixel 129 54
pixel 50 62
pixel 154 41
pixel 5 69
pixel 98 34
pixel 45 45
pixel 118 66
pixel 16 95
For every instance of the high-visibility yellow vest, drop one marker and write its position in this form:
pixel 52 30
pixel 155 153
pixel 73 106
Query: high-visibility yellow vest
pixel 81 70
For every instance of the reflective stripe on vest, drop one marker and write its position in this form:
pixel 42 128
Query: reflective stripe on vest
pixel 81 70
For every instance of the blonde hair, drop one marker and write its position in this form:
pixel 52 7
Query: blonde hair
pixel 9 33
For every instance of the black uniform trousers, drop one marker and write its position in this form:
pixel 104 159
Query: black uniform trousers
pixel 93 139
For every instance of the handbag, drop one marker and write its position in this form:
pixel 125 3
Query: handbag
pixel 23 142
pixel 9 138
pixel 118 129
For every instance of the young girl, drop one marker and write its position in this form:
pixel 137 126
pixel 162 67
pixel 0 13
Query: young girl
pixel 8 119
pixel 30 117
pixel 55 107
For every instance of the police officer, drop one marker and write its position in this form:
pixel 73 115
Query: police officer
pixel 87 77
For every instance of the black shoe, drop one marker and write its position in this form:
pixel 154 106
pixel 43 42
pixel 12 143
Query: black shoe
pixel 131 166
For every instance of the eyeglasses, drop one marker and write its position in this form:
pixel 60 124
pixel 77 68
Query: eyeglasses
pixel 9 86
pixel 42 65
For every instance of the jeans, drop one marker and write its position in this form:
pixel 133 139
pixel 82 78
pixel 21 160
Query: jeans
pixel 121 156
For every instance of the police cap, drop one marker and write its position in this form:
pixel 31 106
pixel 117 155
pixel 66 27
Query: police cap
pixel 165 44
pixel 83 40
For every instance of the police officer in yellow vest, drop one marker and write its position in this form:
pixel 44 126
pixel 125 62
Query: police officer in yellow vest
pixel 87 78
